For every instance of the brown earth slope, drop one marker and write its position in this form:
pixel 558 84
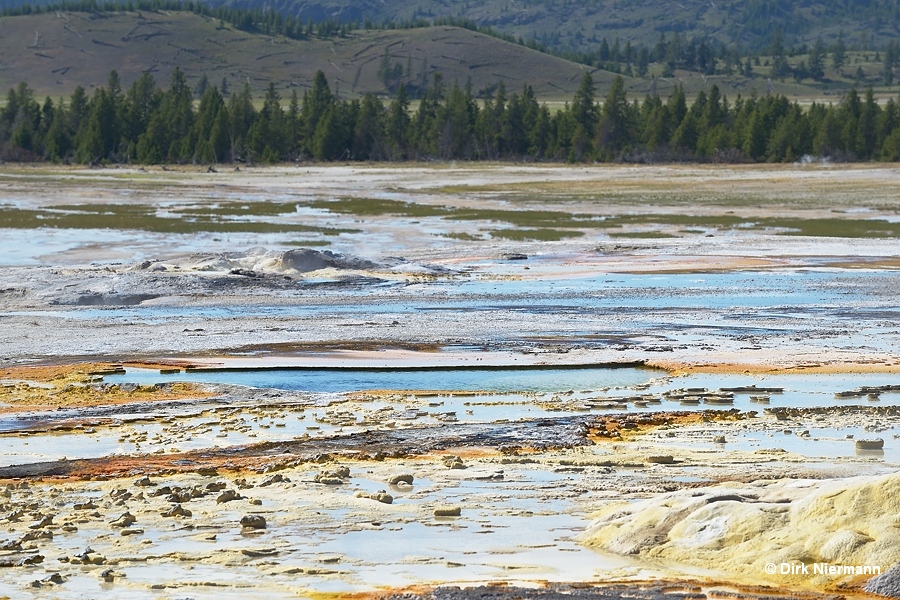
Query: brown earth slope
pixel 55 52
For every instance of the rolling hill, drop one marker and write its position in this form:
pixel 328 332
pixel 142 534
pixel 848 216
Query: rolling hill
pixel 55 52
pixel 578 23
pixel 581 24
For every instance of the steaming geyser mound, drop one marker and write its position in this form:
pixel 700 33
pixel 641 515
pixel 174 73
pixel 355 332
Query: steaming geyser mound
pixel 742 528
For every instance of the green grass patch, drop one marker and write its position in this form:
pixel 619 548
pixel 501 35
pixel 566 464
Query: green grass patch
pixel 640 234
pixel 556 220
pixel 377 207
pixel 522 218
pixel 462 236
pixel 549 225
pixel 256 209
pixel 707 221
pixel 848 228
pixel 140 217
pixel 529 218
pixel 306 243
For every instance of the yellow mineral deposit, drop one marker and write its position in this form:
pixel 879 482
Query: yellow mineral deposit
pixel 745 528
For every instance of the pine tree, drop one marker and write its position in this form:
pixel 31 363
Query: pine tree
pixel 888 121
pixel 890 61
pixel 583 108
pixel 177 107
pixel 839 52
pixel 20 118
pixel 780 67
pixel 584 117
pixel 329 140
pixel 368 135
pixel 515 124
pixel 541 134
pixel 685 137
pixel 424 127
pixel 788 140
pixel 220 137
pixel 397 126
pixel 243 115
pixel 617 123
pixel 141 100
pixel 562 128
pixel 211 103
pixel 869 115
pixel 755 136
pixel 489 125
pixel 293 124
pixel 58 139
pixel 96 136
pixel 816 63
pixel 455 122
pixel 202 85
pixel 267 135
pixel 168 137
pixel 656 120
pixel 316 103
pixel 117 108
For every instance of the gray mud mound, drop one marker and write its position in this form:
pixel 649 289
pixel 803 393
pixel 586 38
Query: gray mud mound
pixel 887 584
pixel 306 260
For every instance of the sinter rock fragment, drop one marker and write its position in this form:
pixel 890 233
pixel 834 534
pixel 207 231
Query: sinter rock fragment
pixel 228 496
pixel 126 520
pixel 398 479
pixel 253 522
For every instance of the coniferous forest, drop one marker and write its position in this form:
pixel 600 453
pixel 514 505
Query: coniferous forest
pixel 146 124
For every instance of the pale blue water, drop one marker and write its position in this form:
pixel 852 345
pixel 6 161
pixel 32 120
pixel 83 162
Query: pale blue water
pixel 840 296
pixel 594 384
pixel 347 380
